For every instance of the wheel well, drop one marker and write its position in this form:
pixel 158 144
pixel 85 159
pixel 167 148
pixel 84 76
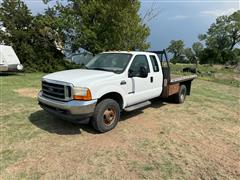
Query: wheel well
pixel 113 95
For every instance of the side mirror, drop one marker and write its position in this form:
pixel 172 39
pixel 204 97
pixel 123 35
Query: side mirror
pixel 130 73
pixel 143 72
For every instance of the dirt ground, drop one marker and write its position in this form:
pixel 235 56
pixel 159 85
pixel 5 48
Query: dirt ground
pixel 27 92
pixel 199 139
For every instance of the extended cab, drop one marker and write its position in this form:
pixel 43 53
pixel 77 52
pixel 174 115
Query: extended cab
pixel 110 83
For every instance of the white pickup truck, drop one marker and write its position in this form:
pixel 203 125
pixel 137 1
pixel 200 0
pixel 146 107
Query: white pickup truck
pixel 110 83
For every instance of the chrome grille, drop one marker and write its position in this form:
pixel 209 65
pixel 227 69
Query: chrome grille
pixel 56 91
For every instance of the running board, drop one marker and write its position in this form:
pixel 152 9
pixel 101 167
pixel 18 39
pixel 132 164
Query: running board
pixel 137 106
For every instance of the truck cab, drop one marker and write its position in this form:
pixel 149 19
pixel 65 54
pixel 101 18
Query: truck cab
pixel 110 83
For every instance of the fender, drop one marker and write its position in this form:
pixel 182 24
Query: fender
pixel 110 89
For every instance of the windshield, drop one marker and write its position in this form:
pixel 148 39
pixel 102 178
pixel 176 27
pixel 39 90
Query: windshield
pixel 115 62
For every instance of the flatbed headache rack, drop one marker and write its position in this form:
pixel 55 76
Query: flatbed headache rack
pixel 172 86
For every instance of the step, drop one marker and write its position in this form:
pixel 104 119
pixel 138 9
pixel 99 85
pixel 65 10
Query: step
pixel 137 106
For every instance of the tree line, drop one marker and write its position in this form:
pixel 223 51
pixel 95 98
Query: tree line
pixel 39 40
pixel 220 45
pixel 95 26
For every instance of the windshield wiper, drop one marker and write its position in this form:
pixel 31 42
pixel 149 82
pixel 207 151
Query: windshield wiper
pixel 83 66
pixel 101 69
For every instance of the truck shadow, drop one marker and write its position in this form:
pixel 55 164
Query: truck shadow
pixel 155 103
pixel 54 125
pixel 12 74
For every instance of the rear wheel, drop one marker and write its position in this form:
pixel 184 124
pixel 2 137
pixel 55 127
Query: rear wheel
pixel 106 115
pixel 181 95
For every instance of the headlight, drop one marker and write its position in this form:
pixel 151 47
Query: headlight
pixel 82 93
pixel 19 67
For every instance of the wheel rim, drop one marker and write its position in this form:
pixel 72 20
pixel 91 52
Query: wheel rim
pixel 109 116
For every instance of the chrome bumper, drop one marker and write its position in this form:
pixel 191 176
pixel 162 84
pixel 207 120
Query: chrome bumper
pixel 3 67
pixel 72 107
pixel 11 67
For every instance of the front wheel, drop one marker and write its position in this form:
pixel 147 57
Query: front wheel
pixel 106 115
pixel 181 95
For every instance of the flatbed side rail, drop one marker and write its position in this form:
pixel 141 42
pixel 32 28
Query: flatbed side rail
pixel 183 78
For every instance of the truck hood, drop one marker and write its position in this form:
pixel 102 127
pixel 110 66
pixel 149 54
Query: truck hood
pixel 78 77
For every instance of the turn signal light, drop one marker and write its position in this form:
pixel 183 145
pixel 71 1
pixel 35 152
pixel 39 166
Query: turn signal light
pixel 87 97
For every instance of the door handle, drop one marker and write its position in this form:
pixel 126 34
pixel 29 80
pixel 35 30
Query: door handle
pixel 151 79
pixel 123 82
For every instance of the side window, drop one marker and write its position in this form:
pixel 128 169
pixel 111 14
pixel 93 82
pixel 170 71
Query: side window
pixel 154 64
pixel 138 61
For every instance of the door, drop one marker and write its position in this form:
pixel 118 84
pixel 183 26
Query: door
pixel 139 86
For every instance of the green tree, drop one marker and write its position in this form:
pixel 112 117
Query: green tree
pixel 236 60
pixel 224 33
pixel 16 18
pixel 177 49
pixel 35 39
pixel 210 56
pixel 231 57
pixel 197 48
pixel 104 25
pixel 221 39
pixel 190 55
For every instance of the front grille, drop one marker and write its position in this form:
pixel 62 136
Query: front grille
pixel 56 91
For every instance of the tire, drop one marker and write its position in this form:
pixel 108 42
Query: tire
pixel 106 115
pixel 181 95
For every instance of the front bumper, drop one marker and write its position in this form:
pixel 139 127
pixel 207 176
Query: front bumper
pixel 11 67
pixel 3 67
pixel 71 110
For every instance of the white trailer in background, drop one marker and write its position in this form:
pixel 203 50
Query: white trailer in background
pixel 9 61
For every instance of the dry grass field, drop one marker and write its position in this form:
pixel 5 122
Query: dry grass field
pixel 199 139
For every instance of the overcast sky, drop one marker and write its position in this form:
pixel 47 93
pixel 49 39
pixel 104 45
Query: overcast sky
pixel 178 19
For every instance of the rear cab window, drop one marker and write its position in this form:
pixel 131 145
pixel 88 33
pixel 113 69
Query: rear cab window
pixel 154 63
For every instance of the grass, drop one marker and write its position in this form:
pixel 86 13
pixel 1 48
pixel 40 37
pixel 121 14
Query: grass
pixel 195 140
pixel 215 73
pixel 8 157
